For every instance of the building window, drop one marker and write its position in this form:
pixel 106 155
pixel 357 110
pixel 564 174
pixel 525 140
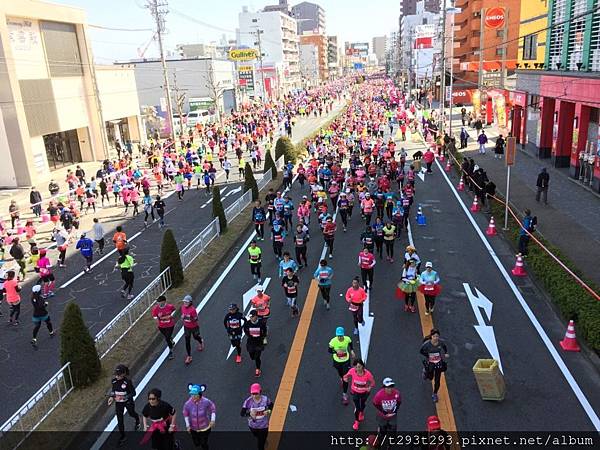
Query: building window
pixel 499 51
pixel 254 20
pixel 62 49
pixel 530 44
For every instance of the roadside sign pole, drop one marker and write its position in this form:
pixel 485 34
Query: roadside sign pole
pixel 509 158
pixel 507 197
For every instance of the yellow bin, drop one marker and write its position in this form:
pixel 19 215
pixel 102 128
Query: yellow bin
pixel 489 379
pixel 417 165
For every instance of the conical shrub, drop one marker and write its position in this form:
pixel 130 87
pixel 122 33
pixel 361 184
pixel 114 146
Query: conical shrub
pixel 169 257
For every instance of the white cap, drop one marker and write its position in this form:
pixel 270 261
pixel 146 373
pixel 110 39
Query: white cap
pixel 428 264
pixel 259 288
pixel 388 382
pixel 36 288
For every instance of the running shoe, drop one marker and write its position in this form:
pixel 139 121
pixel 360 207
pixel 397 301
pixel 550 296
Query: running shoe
pixel 344 399
pixel 238 359
pixel 413 309
pixel 52 333
pixel 265 341
pixel 434 397
pixel 327 306
pixel 130 297
pixel 34 342
pixel 137 426
pixel 257 373
pixel 361 416
pixel 355 332
pixel 426 312
pixel 200 346
pixel 355 425
pixel 188 359
pixel 171 355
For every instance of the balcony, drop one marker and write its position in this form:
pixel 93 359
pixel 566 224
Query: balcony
pixel 474 41
pixel 475 24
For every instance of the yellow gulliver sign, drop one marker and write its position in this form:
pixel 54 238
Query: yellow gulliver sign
pixel 243 54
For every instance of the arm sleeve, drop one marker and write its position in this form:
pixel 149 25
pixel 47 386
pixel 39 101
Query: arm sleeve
pixel 350 347
pixel 244 412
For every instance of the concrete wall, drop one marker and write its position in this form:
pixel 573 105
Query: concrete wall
pixel 118 92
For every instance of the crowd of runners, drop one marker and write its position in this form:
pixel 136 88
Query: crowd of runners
pixel 355 171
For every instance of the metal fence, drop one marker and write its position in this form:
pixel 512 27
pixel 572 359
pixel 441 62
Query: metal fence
pixel 280 163
pixel 114 331
pixel 199 243
pixel 266 179
pixel 238 206
pixel 29 416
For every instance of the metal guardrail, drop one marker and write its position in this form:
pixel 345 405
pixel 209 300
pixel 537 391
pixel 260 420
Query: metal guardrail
pixel 280 163
pixel 29 416
pixel 116 329
pixel 238 206
pixel 266 179
pixel 199 243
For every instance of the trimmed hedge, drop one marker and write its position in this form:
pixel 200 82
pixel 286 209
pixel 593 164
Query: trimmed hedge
pixel 217 209
pixel 270 165
pixel 284 147
pixel 250 182
pixel 169 257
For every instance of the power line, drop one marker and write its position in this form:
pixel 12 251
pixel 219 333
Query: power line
pixel 102 27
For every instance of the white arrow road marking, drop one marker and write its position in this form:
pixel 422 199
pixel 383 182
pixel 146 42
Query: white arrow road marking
pixel 210 200
pixel 364 331
pixel 233 191
pixel 421 175
pixel 486 332
pixel 246 299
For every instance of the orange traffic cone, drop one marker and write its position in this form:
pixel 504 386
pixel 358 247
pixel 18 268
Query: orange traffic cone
pixel 569 343
pixel 448 166
pixel 519 269
pixel 461 184
pixel 491 229
pixel 475 205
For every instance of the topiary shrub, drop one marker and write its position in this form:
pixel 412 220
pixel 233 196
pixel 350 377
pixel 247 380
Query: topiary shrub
pixel 284 147
pixel 250 181
pixel 169 257
pixel 217 209
pixel 270 165
pixel 77 347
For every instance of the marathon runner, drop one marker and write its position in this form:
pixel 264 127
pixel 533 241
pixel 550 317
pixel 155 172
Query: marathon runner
pixel 290 283
pixel 409 285
pixel 126 263
pixel 355 297
pixel 386 402
pixel 362 383
pixel 329 229
pixel 287 263
pixel 234 323
pixel 164 313
pixel 189 315
pixel 255 260
pixel 159 421
pixel 86 247
pixel 122 392
pixel 435 352
pixel 256 332
pixel 301 238
pixel 257 408
pixel 366 262
pixel 259 216
pixel 40 313
pixel 200 415
pixel 343 206
pixel 342 352
pixel 324 275
pixel 430 286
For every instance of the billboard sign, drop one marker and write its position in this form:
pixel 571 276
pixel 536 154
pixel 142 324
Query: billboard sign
pixel 243 54
pixel 495 17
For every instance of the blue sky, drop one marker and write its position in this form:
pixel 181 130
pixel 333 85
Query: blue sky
pixel 350 20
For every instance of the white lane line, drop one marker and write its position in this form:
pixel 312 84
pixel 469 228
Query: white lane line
pixel 585 404
pixel 80 274
pixel 210 200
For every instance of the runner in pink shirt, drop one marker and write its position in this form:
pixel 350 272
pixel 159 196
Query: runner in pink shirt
pixel 360 388
pixel 163 313
pixel 355 297
pixel 189 315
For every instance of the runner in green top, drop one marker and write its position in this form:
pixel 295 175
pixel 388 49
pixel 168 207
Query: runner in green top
pixel 341 349
pixel 255 259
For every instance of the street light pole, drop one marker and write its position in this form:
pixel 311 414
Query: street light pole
pixel 443 79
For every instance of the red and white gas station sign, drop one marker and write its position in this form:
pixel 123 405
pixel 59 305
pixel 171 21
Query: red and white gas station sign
pixel 495 17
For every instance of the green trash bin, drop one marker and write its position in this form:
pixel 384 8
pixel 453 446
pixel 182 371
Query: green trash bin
pixel 490 380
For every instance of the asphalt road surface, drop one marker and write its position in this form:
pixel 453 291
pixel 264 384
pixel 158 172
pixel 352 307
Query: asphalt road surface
pixel 97 293
pixel 546 388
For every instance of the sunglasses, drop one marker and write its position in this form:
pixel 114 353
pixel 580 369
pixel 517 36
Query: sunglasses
pixel 152 398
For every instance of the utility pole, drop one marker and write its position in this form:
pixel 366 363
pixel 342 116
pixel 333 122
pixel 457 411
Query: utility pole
pixel 443 79
pixel 260 59
pixel 504 39
pixel 481 32
pixel 158 9
pixel 179 99
pixel 451 67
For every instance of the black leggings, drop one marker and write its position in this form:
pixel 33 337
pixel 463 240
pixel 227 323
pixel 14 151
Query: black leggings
pixel 236 342
pixel 146 214
pixel 190 333
pixel 329 244
pixel 255 269
pixel 168 333
pixel 15 311
pixel 379 246
pixel 325 292
pixel 120 408
pixel 128 278
pixel 429 302
pixel 367 274
pixel 200 438
pixel 255 356
pixel 357 316
pixel 344 216
pixel 410 298
pixel 360 402
pixel 301 255
pixel 260 229
pixel 277 248
pixel 389 247
pixel 261 437
pixel 342 369
pixel 38 324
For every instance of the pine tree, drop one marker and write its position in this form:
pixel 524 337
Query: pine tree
pixel 270 165
pixel 169 257
pixel 78 348
pixel 250 181
pixel 217 209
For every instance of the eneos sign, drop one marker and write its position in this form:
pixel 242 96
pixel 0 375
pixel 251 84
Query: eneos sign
pixel 495 17
pixel 243 54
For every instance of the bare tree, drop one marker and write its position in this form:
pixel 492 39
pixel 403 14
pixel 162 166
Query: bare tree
pixel 215 90
pixel 179 101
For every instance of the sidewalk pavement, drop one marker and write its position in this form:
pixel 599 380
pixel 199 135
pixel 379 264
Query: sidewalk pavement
pixel 571 220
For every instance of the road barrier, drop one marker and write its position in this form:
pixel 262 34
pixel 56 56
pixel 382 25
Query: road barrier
pixel 28 417
pixel 199 243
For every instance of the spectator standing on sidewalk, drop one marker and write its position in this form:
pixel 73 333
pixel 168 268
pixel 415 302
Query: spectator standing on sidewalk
pixel 482 139
pixel 13 209
pixel 464 136
pixel 35 198
pixel 543 179
pixel 53 187
pixel 499 148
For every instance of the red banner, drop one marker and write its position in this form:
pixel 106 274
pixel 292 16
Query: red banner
pixel 423 42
